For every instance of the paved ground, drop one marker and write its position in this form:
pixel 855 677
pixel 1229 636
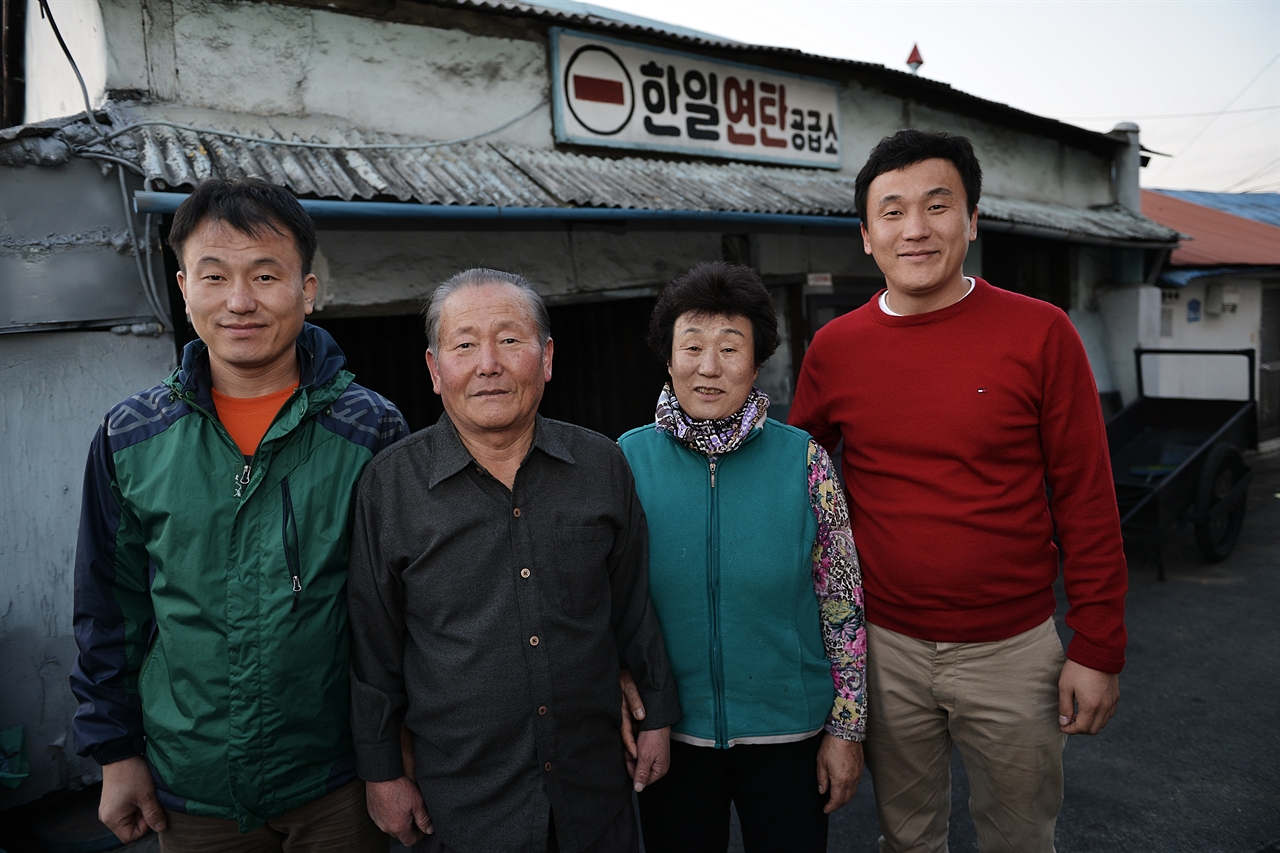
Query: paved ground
pixel 1191 762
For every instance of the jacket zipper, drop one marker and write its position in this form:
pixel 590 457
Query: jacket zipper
pixel 242 479
pixel 289 532
pixel 713 589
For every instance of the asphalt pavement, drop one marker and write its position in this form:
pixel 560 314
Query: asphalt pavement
pixel 1191 761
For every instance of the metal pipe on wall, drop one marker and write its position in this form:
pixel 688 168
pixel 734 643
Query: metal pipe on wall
pixel 161 202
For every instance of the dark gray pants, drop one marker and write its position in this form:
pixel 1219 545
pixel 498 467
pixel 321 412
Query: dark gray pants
pixel 622 835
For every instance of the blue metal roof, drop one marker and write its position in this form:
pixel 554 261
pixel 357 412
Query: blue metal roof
pixel 1181 278
pixel 1260 207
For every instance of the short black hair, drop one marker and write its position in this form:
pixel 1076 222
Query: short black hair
pixel 908 147
pixel 248 205
pixel 715 287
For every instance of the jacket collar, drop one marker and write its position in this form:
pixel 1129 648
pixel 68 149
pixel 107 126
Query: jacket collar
pixel 448 455
pixel 319 361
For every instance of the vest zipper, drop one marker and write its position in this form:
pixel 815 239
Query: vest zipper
pixel 713 582
pixel 289 532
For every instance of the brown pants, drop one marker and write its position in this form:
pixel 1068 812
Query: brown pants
pixel 335 823
pixel 998 704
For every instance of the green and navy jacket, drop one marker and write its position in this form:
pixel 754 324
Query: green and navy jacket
pixel 730 574
pixel 210 604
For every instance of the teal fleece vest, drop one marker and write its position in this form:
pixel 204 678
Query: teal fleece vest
pixel 731 578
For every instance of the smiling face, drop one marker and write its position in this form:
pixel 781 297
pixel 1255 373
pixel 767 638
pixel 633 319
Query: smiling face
pixel 490 368
pixel 918 229
pixel 247 299
pixel 712 364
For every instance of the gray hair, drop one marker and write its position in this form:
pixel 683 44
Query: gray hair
pixel 478 277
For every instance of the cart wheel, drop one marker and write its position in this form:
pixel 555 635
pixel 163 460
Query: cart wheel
pixel 1216 534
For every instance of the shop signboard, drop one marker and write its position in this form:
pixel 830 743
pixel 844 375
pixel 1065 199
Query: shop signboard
pixel 621 94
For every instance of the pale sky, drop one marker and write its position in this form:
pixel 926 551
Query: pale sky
pixel 1169 66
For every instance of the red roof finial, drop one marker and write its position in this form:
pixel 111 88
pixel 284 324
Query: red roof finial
pixel 915 60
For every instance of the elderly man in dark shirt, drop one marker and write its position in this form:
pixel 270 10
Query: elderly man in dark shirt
pixel 499 580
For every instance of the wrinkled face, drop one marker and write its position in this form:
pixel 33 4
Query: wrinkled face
pixel 918 227
pixel 712 364
pixel 490 369
pixel 246 295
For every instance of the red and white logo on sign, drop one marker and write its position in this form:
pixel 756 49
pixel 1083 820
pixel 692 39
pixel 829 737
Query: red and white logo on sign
pixel 598 90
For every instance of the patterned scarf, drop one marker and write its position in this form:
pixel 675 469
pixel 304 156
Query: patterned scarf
pixel 711 438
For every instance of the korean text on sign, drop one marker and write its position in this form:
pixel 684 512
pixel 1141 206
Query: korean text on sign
pixel 631 96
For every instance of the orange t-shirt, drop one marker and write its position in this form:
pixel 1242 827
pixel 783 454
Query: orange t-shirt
pixel 247 418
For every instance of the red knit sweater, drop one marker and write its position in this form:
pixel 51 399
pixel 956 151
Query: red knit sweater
pixel 953 422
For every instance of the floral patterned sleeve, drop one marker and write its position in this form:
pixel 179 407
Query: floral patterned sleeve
pixel 837 581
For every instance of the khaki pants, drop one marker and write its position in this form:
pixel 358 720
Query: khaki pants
pixel 998 703
pixel 336 823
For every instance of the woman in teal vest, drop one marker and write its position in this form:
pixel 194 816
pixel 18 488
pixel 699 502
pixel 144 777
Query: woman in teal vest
pixel 755 581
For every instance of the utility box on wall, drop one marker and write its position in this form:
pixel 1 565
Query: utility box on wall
pixel 1221 298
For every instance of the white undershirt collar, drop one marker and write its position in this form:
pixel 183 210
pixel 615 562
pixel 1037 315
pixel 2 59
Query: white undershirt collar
pixel 884 300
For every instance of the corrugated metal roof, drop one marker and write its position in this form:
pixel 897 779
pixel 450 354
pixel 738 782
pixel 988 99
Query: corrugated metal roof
pixel 1088 225
pixel 1217 238
pixel 322 159
pixel 1260 207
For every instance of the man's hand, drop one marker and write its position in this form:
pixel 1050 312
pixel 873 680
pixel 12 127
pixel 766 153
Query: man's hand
pixel 839 770
pixel 653 759
pixel 1086 698
pixel 632 709
pixel 397 808
pixel 129 806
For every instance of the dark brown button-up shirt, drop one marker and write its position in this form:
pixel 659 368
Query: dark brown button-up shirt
pixel 492 622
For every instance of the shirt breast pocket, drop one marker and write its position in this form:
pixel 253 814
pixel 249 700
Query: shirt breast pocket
pixel 580 568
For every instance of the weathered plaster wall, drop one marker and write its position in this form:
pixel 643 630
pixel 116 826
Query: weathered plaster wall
pixel 370 270
pixel 1014 164
pixel 54 389
pixel 1212 377
pixel 1130 318
pixel 267 59
pixel 52 89
pixel 65 251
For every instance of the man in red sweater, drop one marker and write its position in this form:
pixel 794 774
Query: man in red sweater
pixel 958 403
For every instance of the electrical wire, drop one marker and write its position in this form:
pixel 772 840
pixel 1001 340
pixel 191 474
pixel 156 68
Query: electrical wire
pixel 1169 115
pixel 147 281
pixel 144 276
pixel 1221 112
pixel 1254 175
pixel 47 14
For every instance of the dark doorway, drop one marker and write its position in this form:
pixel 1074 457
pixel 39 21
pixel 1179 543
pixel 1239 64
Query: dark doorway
pixel 1027 265
pixel 604 377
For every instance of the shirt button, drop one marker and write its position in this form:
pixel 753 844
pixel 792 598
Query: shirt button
pixel 533 641
pixel 542 710
pixel 547 767
pixel 516 512
pixel 524 573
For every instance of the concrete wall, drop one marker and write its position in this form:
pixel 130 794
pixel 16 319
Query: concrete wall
pixel 66 255
pixel 1212 377
pixel 52 89
pixel 1014 164
pixel 54 389
pixel 371 272
pixel 1130 318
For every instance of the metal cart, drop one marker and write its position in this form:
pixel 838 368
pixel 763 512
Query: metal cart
pixel 1177 460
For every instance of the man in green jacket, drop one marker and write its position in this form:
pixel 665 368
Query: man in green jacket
pixel 212 559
